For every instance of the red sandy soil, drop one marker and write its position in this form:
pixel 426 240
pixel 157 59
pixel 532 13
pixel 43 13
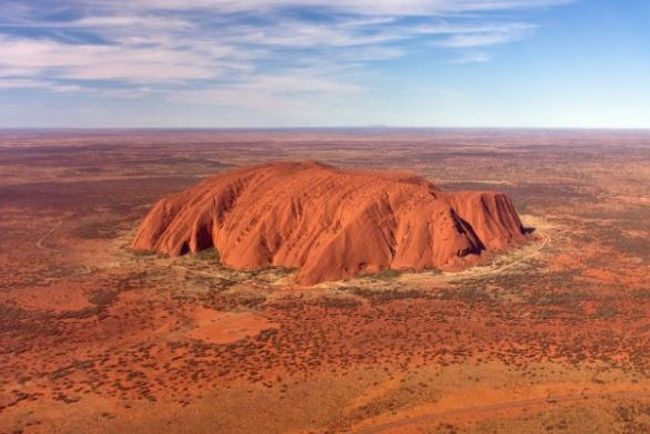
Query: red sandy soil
pixel 550 337
pixel 226 327
pixel 330 223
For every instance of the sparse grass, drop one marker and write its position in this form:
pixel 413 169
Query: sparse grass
pixel 387 295
pixel 143 253
pixel 554 298
pixel 210 254
pixel 467 294
pixel 103 298
pixel 386 274
pixel 338 302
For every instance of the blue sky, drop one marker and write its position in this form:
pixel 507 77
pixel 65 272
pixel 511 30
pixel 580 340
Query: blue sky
pixel 283 63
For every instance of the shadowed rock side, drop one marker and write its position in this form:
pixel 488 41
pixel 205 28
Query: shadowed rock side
pixel 329 223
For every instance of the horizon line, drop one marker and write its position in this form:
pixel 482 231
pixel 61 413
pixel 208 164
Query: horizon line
pixel 358 127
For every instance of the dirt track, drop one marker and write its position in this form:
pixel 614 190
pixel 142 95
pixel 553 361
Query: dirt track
pixel 49 233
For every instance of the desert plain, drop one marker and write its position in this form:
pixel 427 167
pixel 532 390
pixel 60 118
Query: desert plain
pixel 550 336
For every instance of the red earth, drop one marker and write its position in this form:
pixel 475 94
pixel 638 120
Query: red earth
pixel 548 336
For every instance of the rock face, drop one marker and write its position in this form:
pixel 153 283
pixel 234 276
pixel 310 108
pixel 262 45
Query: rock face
pixel 329 223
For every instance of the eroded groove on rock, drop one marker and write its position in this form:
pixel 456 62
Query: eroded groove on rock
pixel 330 223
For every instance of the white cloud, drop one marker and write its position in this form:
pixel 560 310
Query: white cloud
pixel 306 93
pixel 252 54
pixel 480 39
pixel 446 28
pixel 365 7
pixel 295 81
pixel 111 23
pixel 128 21
pixel 472 57
pixel 33 57
pixel 22 83
pixel 311 81
pixel 295 34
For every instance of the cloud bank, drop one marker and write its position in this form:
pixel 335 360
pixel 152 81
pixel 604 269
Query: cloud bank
pixel 250 54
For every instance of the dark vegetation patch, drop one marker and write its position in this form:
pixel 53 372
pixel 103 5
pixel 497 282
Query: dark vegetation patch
pixel 469 294
pixel 83 198
pixel 517 282
pixel 338 302
pixel 544 297
pixel 80 158
pixel 624 242
pixel 218 300
pixel 634 217
pixel 215 284
pixel 106 228
pixel 144 253
pixel 386 274
pixel 210 254
pixel 103 298
pixel 388 295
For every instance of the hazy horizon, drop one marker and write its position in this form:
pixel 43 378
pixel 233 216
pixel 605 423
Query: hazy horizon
pixel 324 128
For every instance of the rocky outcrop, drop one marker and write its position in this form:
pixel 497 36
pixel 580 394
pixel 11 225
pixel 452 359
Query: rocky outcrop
pixel 329 223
